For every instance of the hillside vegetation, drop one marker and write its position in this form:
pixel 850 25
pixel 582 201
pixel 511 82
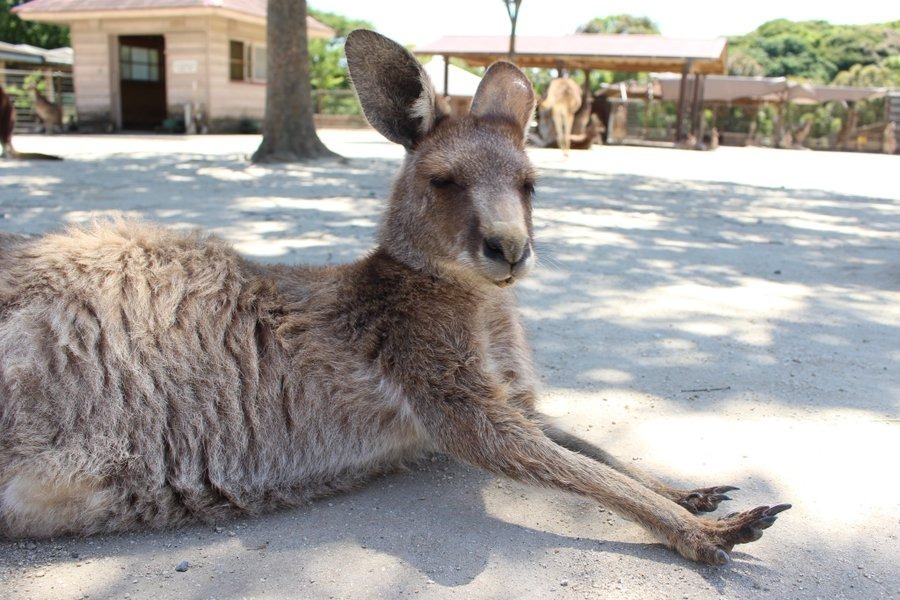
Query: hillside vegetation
pixel 819 52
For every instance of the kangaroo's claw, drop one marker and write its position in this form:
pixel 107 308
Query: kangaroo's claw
pixel 706 499
pixel 717 538
pixel 741 528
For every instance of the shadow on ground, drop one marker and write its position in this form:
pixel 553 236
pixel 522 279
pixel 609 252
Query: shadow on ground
pixel 445 534
pixel 710 282
pixel 702 301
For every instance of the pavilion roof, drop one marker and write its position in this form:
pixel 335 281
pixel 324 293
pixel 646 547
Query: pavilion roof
pixel 615 52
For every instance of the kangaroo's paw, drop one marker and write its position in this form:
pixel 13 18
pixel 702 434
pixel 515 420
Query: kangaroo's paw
pixel 719 537
pixel 705 499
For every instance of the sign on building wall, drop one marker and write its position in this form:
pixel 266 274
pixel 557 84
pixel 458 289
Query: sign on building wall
pixel 184 67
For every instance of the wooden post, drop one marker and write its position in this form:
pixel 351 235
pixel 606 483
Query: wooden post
pixel 682 92
pixel 779 122
pixel 446 75
pixel 697 106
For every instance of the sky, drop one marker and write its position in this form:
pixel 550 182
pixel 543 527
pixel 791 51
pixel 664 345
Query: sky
pixel 422 21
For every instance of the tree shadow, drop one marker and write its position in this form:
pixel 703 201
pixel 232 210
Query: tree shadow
pixel 319 212
pixel 748 278
pixel 700 295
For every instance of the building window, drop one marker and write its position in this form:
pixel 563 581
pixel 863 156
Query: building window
pixel 139 64
pixel 247 62
pixel 259 63
pixel 238 62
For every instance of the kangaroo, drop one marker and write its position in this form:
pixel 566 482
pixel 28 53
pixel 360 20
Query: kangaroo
pixel 7 126
pixel 563 100
pixel 889 138
pixel 49 113
pixel 150 378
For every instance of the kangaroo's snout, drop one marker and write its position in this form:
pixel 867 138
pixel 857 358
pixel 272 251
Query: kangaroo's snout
pixel 507 250
pixel 507 254
pixel 504 248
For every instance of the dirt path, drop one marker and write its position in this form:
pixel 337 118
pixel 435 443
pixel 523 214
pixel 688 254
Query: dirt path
pixel 730 317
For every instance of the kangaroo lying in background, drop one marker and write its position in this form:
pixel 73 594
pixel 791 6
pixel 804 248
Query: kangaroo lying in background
pixel 150 378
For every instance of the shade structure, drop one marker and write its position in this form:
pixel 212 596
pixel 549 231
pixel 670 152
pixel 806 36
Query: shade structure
pixel 622 52
pixel 738 90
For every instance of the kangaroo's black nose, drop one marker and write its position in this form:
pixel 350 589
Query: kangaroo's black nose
pixel 506 250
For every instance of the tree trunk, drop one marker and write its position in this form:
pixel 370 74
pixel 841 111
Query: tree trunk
pixel 289 133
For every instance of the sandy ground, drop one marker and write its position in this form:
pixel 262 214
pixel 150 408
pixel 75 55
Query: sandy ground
pixel 729 317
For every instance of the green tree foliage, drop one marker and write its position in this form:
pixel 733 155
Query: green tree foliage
pixel 16 31
pixel 868 44
pixel 815 51
pixel 328 68
pixel 620 24
pixel 744 64
pixel 885 73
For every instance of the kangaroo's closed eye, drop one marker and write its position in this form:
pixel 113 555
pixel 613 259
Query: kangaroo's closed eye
pixel 443 182
pixel 528 188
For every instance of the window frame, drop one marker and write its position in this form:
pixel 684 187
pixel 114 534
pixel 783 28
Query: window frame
pixel 256 60
pixel 149 67
pixel 252 62
pixel 239 62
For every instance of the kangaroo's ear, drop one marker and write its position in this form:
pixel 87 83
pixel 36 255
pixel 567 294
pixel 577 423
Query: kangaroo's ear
pixel 394 90
pixel 505 91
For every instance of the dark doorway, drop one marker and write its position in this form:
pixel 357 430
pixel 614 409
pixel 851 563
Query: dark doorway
pixel 142 81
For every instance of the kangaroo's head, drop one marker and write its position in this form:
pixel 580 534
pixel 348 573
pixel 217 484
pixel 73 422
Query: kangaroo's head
pixel 461 204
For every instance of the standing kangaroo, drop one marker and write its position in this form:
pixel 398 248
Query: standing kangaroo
pixel 49 113
pixel 563 99
pixel 148 378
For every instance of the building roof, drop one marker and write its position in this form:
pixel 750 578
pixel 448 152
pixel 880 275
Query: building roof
pixel 728 89
pixel 23 53
pixel 616 52
pixel 253 7
pixel 767 89
pixel 57 11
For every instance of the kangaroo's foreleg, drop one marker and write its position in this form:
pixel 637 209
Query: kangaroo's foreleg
pixel 498 438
